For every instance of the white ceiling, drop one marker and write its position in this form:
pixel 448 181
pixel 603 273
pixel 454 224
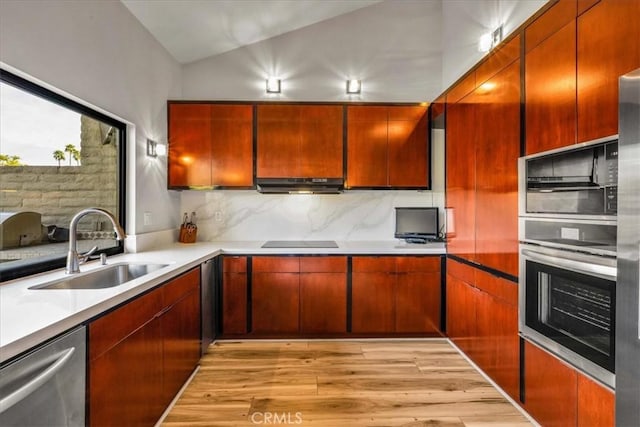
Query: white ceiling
pixel 195 29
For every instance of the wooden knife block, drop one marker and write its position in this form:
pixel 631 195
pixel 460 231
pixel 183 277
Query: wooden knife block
pixel 187 234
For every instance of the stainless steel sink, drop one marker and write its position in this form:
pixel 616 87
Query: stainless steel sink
pixel 108 277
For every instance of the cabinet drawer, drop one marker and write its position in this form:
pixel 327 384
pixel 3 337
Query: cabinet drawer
pixel 269 264
pixel 461 271
pixel 497 287
pixel 234 264
pixel 110 329
pixel 374 264
pixel 321 264
pixel 408 264
pixel 180 286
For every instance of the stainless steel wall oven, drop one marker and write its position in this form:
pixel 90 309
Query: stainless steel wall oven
pixel 568 232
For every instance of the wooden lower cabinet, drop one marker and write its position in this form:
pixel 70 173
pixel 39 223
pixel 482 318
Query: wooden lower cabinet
pixel 396 295
pixel 596 404
pixel 234 295
pixel 323 303
pixel 551 387
pixel 141 353
pixel 275 303
pixel 482 320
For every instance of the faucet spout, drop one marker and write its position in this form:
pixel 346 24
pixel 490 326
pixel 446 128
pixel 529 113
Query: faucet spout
pixel 73 259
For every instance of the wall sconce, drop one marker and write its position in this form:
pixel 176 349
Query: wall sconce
pixel 273 85
pixel 155 149
pixel 354 87
pixel 490 40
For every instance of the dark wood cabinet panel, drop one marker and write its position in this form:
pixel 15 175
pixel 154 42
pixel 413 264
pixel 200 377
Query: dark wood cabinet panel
pixel 232 139
pixel 460 180
pixel 181 343
pixel 275 264
pixel 178 287
pixel 462 88
pixel 498 60
pixel 387 146
pixel 234 295
pixel 275 303
pixel 373 302
pixel 189 148
pixel 301 141
pixel 550 388
pixel 461 271
pixel 584 5
pixel 408 147
pixel 556 17
pixel 550 87
pixel 125 383
pixel 369 264
pixel 108 330
pixel 608 46
pixel 417 301
pixel 367 151
pixel 461 314
pixel 324 264
pixel 497 148
pixel 323 303
pixel 427 264
pixel 210 145
pixel 596 404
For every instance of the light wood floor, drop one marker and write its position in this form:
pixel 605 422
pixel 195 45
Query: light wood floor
pixel 340 383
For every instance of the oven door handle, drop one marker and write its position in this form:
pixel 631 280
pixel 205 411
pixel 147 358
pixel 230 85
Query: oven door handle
pixel 573 264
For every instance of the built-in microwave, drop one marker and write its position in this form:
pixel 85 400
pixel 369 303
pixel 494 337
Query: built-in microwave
pixel 580 181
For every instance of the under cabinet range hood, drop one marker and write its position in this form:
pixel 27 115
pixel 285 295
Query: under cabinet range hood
pixel 300 185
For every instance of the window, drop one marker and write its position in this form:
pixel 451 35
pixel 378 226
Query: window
pixel 57 157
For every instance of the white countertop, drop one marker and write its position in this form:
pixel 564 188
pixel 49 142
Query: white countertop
pixel 28 317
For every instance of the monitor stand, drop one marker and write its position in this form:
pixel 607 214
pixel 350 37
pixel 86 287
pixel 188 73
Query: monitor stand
pixel 416 240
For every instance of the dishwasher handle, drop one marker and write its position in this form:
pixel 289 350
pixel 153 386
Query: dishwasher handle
pixel 20 394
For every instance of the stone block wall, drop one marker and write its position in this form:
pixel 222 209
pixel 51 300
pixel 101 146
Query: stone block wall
pixel 58 193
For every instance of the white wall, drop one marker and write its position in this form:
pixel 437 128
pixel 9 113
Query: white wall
pixel 393 46
pixel 464 21
pixel 97 52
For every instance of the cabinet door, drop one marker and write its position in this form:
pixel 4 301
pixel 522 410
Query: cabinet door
pixel 418 294
pixel 461 184
pixel 189 157
pixel 608 46
pixel 321 139
pixel 596 404
pixel 323 295
pixel 278 147
pixel 550 388
pixel 461 314
pixel 550 88
pixel 408 147
pixel 232 145
pixel 367 151
pixel 497 134
pixel 234 295
pixel 373 294
pixel 275 295
pixel 125 383
pixel 181 342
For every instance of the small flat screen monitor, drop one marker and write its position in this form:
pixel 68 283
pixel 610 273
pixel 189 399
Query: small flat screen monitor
pixel 417 225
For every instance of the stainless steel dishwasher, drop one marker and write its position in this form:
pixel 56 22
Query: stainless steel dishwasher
pixel 46 387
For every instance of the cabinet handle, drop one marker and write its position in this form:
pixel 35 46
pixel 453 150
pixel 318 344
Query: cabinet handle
pixel 60 360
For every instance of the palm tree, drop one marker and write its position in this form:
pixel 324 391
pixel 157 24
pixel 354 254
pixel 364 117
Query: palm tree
pixel 59 156
pixel 70 148
pixel 76 156
pixel 7 160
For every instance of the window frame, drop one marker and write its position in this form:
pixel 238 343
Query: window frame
pixel 24 267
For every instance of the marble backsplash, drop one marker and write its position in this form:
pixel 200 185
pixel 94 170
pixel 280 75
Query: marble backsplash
pixel 353 215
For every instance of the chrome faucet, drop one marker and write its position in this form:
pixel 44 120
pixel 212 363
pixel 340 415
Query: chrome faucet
pixel 73 258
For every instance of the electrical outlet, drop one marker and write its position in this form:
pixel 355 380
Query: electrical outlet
pixel 218 216
pixel 147 218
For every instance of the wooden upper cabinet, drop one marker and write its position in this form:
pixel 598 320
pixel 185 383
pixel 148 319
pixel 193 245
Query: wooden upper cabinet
pixel 608 47
pixel 387 146
pixel 210 145
pixel 550 88
pixel 367 136
pixel 555 18
pixel 300 141
pixel 497 133
pixel 189 145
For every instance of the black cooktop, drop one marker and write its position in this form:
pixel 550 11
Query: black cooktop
pixel 300 244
